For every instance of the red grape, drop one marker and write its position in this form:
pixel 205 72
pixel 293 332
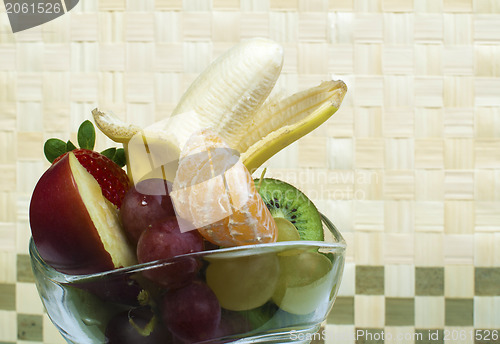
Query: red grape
pixel 192 313
pixel 121 289
pixel 121 329
pixel 164 240
pixel 143 204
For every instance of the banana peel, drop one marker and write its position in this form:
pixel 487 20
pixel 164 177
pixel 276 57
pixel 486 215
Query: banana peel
pixel 149 152
pixel 113 127
pixel 301 117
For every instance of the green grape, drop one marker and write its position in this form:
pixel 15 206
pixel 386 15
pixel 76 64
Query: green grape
pixel 286 230
pixel 243 283
pixel 303 283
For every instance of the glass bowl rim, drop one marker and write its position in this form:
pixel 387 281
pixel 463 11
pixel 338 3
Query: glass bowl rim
pixel 338 246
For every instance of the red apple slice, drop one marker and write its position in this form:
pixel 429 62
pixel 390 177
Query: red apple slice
pixel 75 228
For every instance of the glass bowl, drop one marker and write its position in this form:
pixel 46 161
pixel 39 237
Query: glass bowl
pixel 268 293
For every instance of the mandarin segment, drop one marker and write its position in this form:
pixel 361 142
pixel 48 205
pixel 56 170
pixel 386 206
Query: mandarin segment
pixel 215 192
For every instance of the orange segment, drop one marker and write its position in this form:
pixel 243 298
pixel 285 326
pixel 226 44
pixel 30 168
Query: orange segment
pixel 215 192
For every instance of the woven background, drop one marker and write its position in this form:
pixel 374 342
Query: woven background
pixel 408 169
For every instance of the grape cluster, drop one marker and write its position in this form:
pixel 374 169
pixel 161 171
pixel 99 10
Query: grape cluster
pixel 192 298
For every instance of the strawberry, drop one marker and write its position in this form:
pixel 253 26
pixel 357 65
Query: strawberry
pixel 112 179
pixel 105 167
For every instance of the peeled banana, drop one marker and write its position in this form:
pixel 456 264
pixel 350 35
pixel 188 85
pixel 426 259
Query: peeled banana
pixel 227 94
pixel 229 97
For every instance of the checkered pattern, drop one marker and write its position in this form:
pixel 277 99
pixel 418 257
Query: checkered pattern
pixel 410 300
pixel 408 169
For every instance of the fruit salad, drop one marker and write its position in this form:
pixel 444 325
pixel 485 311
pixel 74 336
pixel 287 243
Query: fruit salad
pixel 172 236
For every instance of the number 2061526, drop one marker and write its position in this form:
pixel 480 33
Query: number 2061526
pixel 481 335
pixel 32 8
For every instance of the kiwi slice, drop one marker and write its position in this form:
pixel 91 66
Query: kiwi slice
pixel 286 201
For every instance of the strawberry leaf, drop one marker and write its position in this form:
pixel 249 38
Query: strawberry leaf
pixel 86 135
pixel 70 146
pixel 120 158
pixel 109 153
pixel 54 148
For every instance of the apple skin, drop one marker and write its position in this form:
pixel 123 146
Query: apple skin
pixel 62 228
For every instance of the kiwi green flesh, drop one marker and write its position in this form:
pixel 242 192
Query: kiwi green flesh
pixel 286 201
